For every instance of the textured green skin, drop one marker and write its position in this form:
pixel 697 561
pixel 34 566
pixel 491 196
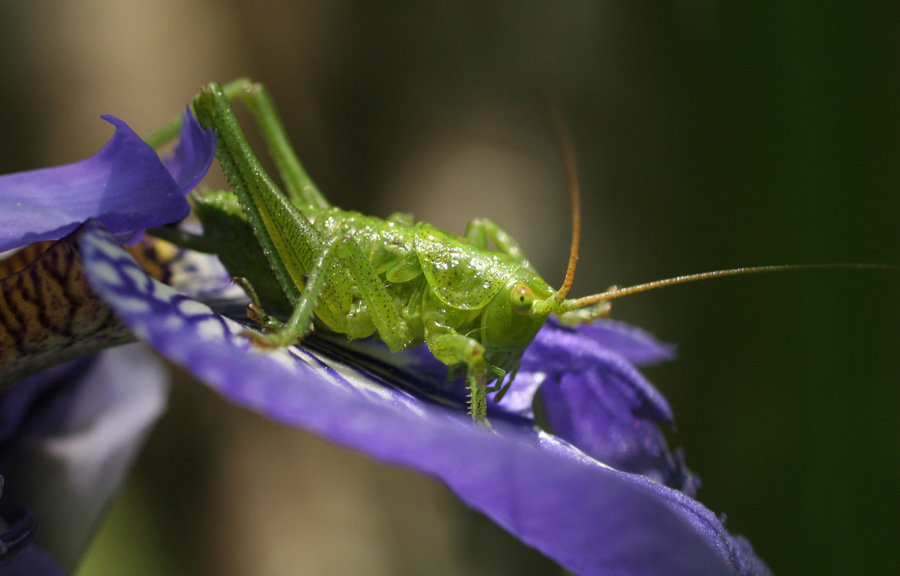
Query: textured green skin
pixel 428 273
pixel 403 282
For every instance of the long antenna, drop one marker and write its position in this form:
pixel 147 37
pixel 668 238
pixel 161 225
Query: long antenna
pixel 614 292
pixel 567 154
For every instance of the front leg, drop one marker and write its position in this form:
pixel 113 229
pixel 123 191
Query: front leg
pixel 452 348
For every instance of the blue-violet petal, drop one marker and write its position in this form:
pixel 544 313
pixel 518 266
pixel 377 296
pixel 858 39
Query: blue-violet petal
pixel 193 155
pixel 124 185
pixel 73 433
pixel 590 518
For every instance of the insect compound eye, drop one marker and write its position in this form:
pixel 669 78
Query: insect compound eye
pixel 521 297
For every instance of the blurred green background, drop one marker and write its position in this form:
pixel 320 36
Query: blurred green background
pixel 709 135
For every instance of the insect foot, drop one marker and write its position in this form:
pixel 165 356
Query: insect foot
pixel 259 340
pixel 478 401
pixel 255 310
pixel 477 380
pixel 272 340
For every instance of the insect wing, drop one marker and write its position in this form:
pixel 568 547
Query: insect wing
pixel 461 275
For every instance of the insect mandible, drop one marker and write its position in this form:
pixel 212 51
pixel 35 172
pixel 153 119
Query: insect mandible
pixel 476 308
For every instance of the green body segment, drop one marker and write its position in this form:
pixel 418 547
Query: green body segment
pixel 403 282
pixel 426 272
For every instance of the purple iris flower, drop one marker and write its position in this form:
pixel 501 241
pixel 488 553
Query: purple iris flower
pixel 599 492
pixel 69 434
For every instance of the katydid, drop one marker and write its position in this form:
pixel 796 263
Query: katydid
pixel 476 308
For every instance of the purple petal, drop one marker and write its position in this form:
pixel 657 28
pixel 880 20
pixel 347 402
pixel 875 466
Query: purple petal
pixel 30 562
pixel 73 440
pixel 17 529
pixel 595 398
pixel 633 344
pixel 557 349
pixel 17 402
pixel 18 556
pixel 595 412
pixel 590 518
pixel 124 185
pixel 193 155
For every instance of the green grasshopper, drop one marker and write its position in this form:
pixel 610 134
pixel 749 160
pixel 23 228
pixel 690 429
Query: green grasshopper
pixel 477 309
